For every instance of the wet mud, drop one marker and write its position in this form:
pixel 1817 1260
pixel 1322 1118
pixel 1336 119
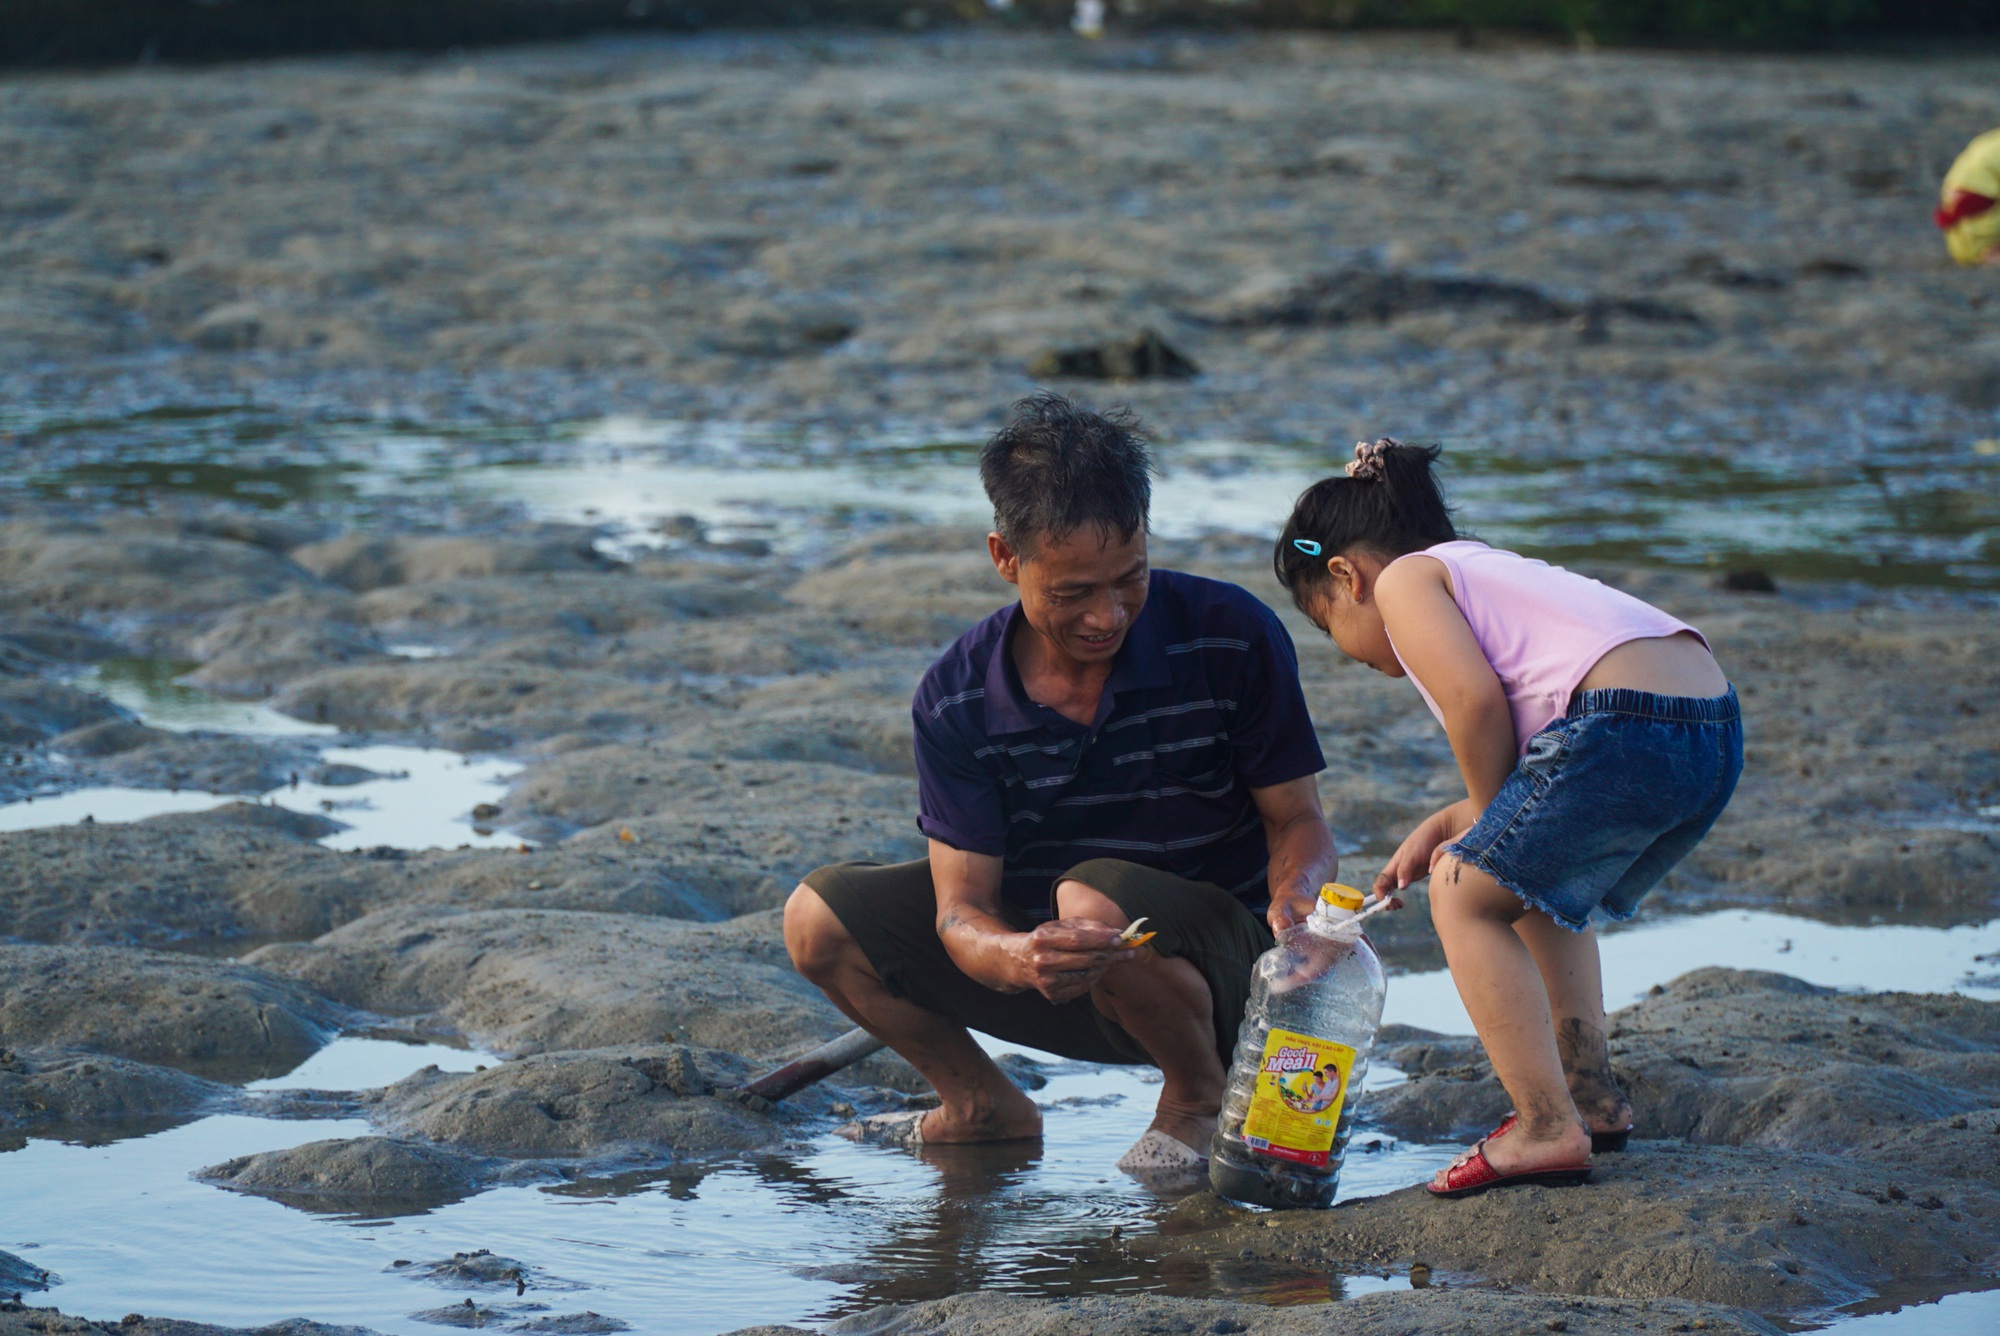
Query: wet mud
pixel 1385 1314
pixel 701 724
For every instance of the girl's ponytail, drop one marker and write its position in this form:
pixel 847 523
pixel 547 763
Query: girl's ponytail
pixel 1388 503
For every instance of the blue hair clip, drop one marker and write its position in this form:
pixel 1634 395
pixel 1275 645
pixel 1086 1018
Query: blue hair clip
pixel 1307 546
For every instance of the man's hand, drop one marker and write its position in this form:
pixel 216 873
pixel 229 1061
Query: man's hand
pixel 1301 849
pixel 1063 958
pixel 1421 849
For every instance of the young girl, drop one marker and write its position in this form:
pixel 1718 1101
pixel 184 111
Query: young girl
pixel 1598 740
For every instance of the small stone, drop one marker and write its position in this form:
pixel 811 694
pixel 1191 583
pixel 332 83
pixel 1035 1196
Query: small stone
pixel 1557 1324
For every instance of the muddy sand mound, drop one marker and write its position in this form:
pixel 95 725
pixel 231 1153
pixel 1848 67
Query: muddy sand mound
pixel 361 562
pixel 651 1102
pixel 1741 1057
pixel 121 752
pixel 255 873
pixel 1771 1231
pixel 1474 1312
pixel 16 1319
pixel 150 585
pixel 210 1018
pixel 90 1095
pixel 525 981
pixel 373 1176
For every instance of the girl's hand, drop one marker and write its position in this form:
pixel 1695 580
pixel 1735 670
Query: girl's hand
pixel 1421 849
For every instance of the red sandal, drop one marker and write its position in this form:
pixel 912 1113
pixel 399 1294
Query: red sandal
pixel 1475 1174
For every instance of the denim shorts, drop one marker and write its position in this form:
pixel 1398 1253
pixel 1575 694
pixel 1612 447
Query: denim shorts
pixel 1607 800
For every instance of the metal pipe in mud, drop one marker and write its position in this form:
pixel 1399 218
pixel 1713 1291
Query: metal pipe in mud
pixel 813 1067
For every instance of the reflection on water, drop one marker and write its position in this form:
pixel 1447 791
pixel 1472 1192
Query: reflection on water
pixel 1883 492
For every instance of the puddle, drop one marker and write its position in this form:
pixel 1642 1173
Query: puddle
pixel 1879 957
pixel 423 800
pixel 415 797
pixel 362 1062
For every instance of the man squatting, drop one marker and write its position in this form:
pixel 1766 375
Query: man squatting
pixel 1121 743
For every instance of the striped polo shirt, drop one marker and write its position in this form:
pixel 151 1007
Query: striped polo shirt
pixel 1203 704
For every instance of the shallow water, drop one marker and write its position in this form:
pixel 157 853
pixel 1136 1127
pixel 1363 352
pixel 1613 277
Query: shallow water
pixel 1880 490
pixel 1877 957
pixel 810 1231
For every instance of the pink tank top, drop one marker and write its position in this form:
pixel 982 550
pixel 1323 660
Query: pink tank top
pixel 1541 627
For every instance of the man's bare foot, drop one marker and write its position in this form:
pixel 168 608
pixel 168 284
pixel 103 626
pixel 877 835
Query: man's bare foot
pixel 1014 1117
pixel 1192 1123
pixel 1514 1151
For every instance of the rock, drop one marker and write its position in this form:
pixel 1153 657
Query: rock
pixel 91 1096
pixel 1749 580
pixel 1352 295
pixel 538 980
pixel 1144 356
pixel 19 1274
pixel 1478 1312
pixel 371 1176
pixel 1737 1057
pixel 650 1102
pixel 767 329
pixel 572 1324
pixel 465 1314
pixel 210 1018
pixel 480 1269
pixel 1770 1231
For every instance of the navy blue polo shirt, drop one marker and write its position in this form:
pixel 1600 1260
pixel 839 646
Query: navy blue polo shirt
pixel 1203 705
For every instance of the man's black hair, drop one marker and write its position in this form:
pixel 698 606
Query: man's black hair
pixel 1399 510
pixel 1057 468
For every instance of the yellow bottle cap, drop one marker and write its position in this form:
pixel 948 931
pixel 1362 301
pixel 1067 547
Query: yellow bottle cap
pixel 1337 896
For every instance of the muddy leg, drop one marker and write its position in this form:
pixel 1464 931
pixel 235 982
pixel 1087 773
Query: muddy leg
pixel 1503 992
pixel 1571 972
pixel 980 1103
pixel 1164 1003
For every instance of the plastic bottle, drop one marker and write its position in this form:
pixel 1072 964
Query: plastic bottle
pixel 1315 1003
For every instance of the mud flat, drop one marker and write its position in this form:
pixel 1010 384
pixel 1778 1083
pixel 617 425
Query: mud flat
pixel 1801 1148
pixel 852 227
pixel 838 234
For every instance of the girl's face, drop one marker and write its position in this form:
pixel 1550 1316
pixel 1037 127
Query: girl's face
pixel 1344 607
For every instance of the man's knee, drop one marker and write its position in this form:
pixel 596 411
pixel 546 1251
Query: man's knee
pixel 814 935
pixel 1080 900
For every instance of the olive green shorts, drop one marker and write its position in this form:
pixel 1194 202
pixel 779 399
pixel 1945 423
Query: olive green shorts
pixel 891 912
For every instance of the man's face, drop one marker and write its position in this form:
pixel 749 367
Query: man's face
pixel 1081 592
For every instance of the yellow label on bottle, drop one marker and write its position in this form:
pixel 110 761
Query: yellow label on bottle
pixel 1295 1107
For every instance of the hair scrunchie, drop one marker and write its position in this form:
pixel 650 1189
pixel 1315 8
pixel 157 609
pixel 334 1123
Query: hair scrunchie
pixel 1370 463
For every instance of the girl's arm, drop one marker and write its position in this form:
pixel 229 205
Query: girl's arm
pixel 1439 650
